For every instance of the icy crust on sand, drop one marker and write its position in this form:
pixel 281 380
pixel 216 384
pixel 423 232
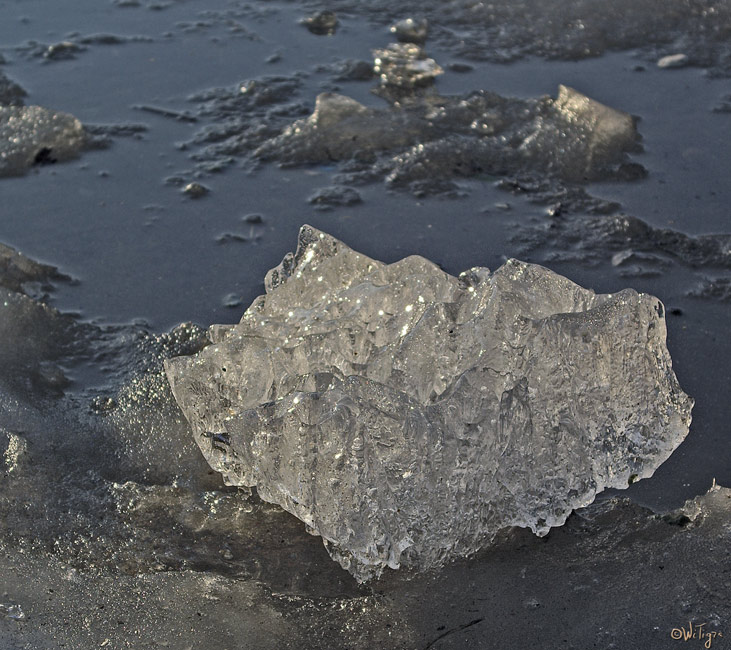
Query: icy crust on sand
pixel 571 137
pixel 31 135
pixel 406 415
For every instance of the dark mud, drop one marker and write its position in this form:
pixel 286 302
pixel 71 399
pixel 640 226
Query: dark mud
pixel 113 530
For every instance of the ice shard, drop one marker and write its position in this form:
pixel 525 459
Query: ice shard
pixel 407 415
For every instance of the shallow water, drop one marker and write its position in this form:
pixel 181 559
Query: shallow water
pixel 146 256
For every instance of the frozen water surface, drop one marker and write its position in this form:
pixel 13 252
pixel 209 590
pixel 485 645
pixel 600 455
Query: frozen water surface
pixel 114 530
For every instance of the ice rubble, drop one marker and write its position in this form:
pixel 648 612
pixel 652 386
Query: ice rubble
pixel 419 139
pixel 406 415
pixel 571 137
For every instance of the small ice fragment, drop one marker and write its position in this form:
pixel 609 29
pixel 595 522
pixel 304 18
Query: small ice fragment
pixel 101 405
pixel 327 198
pixel 31 135
pixel 61 51
pixel 181 116
pixel 410 30
pixel 231 237
pixel 10 610
pixel 600 133
pixel 331 108
pixel 673 61
pixel 621 257
pixel 195 190
pixel 610 128
pixel 405 65
pixel 232 300
pixel 16 451
pixel 353 70
pixel 457 66
pixel 323 23
pixel 338 128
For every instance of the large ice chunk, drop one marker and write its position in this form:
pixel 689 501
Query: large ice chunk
pixel 406 415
